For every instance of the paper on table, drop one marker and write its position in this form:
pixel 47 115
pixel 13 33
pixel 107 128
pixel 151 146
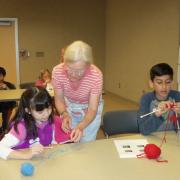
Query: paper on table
pixel 130 148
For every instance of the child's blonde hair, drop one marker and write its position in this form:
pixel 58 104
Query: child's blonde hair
pixel 78 51
pixel 42 72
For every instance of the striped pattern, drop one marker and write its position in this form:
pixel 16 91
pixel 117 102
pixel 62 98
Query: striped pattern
pixel 78 92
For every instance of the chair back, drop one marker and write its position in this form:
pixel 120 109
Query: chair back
pixel 27 85
pixel 119 122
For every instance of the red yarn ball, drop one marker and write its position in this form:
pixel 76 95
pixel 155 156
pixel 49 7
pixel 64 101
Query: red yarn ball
pixel 152 151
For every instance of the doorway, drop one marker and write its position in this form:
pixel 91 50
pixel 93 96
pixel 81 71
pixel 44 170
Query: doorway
pixel 9 57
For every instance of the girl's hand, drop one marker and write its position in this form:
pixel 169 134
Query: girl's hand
pixel 66 122
pixel 76 133
pixel 29 153
pixel 35 150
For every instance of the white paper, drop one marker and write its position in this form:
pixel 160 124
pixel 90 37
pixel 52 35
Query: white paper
pixel 130 148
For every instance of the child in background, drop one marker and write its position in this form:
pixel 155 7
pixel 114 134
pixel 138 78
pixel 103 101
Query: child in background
pixel 5 107
pixel 161 99
pixel 34 126
pixel 45 81
pixel 44 78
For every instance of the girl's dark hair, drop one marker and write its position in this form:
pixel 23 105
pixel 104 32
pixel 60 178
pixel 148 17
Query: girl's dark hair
pixel 36 98
pixel 160 70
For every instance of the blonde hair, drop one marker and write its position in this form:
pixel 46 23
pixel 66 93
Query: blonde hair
pixel 42 72
pixel 78 51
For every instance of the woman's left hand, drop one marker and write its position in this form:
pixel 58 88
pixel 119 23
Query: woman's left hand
pixel 76 133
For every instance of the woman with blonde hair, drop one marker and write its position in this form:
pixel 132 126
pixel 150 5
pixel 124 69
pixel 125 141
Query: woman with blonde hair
pixel 78 92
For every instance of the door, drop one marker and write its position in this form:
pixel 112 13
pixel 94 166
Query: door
pixel 9 51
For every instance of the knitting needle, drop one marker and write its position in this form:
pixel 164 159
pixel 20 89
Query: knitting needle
pixel 45 147
pixel 50 147
pixel 177 123
pixel 155 110
pixel 178 129
pixel 64 142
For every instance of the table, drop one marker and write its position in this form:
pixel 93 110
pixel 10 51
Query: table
pixel 10 94
pixel 99 160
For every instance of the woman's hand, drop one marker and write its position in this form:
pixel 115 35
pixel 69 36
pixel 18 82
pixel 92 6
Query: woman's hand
pixel 66 122
pixel 76 133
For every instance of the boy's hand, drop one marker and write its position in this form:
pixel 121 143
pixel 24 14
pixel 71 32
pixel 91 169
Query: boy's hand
pixel 177 107
pixel 163 107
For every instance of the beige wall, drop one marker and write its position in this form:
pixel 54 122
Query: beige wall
pixel 139 33
pixel 47 26
pixel 132 34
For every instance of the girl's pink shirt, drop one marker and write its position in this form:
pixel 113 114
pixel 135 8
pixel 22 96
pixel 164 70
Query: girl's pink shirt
pixel 59 134
pixel 39 83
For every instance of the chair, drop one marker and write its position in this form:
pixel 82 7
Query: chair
pixel 27 85
pixel 120 122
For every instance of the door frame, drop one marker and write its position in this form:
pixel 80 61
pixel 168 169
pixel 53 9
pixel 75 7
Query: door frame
pixel 178 71
pixel 15 21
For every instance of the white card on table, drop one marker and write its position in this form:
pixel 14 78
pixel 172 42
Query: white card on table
pixel 130 148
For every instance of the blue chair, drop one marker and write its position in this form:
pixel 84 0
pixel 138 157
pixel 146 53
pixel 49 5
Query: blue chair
pixel 120 122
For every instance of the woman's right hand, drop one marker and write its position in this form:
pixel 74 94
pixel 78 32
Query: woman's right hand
pixel 66 123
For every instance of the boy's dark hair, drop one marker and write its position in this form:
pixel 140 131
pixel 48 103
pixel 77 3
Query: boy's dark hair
pixel 160 70
pixel 2 71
